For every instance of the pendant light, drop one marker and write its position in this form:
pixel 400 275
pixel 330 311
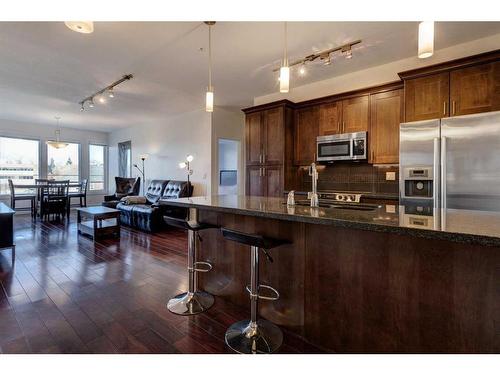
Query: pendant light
pixel 57 143
pixel 84 27
pixel 209 98
pixel 285 69
pixel 425 39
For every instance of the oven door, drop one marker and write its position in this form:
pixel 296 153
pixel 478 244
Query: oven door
pixel 334 150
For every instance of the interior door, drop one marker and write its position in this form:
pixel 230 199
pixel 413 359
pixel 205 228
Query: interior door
pixel 274 134
pixel 254 138
pixel 355 115
pixel 470 147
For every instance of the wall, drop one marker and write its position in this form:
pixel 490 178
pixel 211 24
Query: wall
pixel 46 132
pixel 228 124
pixel 379 74
pixel 168 143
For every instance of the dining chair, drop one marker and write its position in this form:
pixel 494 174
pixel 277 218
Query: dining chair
pixel 14 197
pixel 54 199
pixel 81 193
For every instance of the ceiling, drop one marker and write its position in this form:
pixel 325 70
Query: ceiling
pixel 46 69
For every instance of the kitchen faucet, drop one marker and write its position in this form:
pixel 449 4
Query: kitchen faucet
pixel 313 195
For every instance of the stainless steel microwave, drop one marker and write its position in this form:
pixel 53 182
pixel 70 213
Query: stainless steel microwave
pixel 348 146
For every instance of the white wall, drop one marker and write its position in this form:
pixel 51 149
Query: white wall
pixel 380 74
pixel 43 133
pixel 168 143
pixel 228 124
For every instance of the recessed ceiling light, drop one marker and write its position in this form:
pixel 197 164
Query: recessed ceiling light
pixel 84 27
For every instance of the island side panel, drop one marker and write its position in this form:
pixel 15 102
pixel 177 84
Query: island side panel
pixel 231 260
pixel 380 292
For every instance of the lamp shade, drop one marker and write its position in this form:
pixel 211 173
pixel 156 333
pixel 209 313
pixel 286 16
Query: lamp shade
pixel 284 79
pixel 209 101
pixel 425 39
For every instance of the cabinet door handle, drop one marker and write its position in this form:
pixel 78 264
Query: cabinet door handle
pixel 264 171
pixel 453 107
pixel 444 108
pixel 260 158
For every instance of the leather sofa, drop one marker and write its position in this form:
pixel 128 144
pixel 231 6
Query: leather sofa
pixel 124 187
pixel 149 216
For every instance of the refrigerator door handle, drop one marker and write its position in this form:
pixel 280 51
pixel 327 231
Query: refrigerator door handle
pixel 443 183
pixel 436 177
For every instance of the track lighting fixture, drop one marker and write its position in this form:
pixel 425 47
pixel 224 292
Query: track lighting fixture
pixel 209 96
pixel 100 95
pixel 326 56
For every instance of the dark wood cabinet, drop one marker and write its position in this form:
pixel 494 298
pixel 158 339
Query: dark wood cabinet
pixel 355 114
pixel 330 118
pixel 427 97
pixel 306 131
pixel 475 89
pixel 255 181
pixel 254 138
pixel 273 180
pixel 269 144
pixel 274 135
pixel 386 113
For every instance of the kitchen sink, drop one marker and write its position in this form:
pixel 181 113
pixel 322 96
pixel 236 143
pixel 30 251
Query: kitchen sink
pixel 340 205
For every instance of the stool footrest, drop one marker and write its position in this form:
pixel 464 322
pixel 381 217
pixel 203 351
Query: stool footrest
pixel 204 264
pixel 267 298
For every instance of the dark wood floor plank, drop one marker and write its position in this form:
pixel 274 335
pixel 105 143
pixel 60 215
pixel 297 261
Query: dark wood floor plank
pixel 69 294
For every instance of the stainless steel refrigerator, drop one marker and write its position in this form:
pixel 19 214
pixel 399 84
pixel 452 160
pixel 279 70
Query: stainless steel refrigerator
pixel 451 163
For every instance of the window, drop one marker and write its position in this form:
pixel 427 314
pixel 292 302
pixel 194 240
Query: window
pixel 19 161
pixel 125 159
pixel 64 163
pixel 97 157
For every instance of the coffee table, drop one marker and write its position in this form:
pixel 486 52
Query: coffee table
pixel 98 221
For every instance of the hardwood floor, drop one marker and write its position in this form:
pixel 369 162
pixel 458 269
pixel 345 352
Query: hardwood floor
pixel 66 294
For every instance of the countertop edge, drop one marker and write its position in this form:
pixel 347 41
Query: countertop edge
pixel 473 239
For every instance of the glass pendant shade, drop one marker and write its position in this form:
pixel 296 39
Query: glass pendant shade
pixel 284 79
pixel 57 143
pixel 425 39
pixel 209 101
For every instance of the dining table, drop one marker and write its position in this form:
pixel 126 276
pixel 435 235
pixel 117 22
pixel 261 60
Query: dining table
pixel 72 184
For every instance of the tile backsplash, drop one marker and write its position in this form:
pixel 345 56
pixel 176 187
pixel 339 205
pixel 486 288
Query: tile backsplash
pixel 354 177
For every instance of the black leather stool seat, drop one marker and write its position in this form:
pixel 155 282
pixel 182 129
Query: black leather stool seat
pixel 252 239
pixel 185 224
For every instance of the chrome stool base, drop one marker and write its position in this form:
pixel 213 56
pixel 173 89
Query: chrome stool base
pixel 190 303
pixel 264 337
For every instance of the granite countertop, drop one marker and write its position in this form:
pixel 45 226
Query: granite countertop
pixel 469 226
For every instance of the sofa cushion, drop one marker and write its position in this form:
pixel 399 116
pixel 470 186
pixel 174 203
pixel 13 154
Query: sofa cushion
pixel 176 189
pixel 155 190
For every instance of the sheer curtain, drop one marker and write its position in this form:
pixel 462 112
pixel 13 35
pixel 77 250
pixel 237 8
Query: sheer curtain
pixel 125 159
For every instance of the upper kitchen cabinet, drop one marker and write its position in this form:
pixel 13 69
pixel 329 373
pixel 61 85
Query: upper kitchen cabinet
pixel 254 138
pixel 355 114
pixel 453 88
pixel 274 136
pixel 427 97
pixel 306 131
pixel 475 89
pixel 330 118
pixel 386 115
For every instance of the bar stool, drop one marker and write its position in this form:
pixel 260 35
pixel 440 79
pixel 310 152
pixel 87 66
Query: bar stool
pixel 255 335
pixel 193 301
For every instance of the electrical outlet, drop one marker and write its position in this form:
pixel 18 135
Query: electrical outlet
pixel 390 176
pixel 390 208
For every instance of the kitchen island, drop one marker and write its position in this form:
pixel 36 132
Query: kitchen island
pixel 388 279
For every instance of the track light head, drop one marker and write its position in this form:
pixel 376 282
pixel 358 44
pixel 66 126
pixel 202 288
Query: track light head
pixel 347 52
pixel 111 93
pixel 91 103
pixel 303 70
pixel 82 108
pixel 102 99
